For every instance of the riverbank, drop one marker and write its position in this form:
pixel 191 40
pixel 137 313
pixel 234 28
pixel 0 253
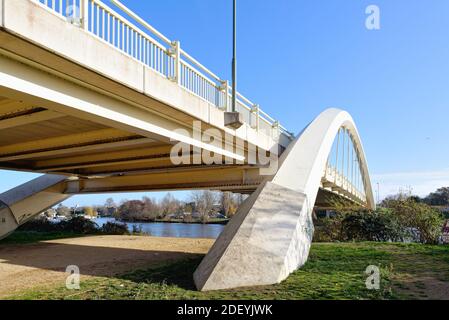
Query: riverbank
pixel 161 268
pixel 182 221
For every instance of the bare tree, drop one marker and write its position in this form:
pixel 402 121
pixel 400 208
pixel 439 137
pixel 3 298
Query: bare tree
pixel 110 203
pixel 204 203
pixel 151 208
pixel 228 204
pixel 169 205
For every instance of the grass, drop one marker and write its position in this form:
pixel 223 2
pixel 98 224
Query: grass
pixel 334 271
pixel 27 237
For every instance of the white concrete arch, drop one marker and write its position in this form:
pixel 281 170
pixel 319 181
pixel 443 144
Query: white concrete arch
pixel 271 234
pixel 301 166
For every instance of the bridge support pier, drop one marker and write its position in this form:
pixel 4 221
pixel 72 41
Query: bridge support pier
pixel 19 205
pixel 266 241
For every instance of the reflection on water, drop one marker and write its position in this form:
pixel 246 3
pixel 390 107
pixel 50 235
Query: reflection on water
pixel 173 230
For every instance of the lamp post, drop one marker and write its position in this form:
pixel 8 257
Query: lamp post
pixel 234 58
pixel 234 119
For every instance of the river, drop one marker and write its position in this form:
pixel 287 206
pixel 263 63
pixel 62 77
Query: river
pixel 173 230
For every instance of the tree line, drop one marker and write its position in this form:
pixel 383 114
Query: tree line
pixel 201 206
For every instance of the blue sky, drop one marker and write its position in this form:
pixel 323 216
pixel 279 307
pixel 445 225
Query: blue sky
pixel 298 57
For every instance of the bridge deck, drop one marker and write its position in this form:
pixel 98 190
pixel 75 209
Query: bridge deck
pixel 72 103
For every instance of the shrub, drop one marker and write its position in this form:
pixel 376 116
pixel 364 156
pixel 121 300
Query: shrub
pixel 380 225
pixel 40 225
pixel 328 230
pixel 400 219
pixel 79 225
pixel 359 225
pixel 115 228
pixel 421 217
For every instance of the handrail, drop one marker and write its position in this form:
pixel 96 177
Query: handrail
pixel 141 21
pixel 124 20
pixel 170 60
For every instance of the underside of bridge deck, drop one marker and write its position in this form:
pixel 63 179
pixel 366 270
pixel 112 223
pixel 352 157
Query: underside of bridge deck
pixel 36 139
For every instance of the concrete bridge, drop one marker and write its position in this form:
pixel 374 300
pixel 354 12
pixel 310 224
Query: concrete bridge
pixel 98 103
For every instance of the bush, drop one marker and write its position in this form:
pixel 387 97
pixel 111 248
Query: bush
pixel 362 225
pixel 328 230
pixel 39 225
pixel 381 225
pixel 79 225
pixel 419 217
pixel 400 219
pixel 115 228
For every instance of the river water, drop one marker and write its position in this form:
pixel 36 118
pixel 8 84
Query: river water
pixel 173 230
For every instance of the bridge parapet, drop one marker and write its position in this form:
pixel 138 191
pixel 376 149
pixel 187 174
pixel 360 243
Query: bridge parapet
pixel 151 48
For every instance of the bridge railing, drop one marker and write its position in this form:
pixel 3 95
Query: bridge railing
pixel 343 169
pixel 159 53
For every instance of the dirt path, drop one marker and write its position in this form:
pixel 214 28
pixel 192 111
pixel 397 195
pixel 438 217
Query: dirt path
pixel 420 276
pixel 23 267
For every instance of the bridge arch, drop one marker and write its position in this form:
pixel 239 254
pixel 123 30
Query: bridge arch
pixel 307 159
pixel 271 234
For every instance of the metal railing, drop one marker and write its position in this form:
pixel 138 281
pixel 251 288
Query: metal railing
pixel 343 168
pixel 159 53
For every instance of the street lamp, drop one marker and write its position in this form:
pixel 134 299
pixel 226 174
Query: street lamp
pixel 234 57
pixel 234 119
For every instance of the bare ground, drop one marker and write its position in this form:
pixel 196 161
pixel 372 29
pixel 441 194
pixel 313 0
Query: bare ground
pixel 24 267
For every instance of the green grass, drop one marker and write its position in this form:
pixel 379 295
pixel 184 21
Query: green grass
pixel 334 271
pixel 26 237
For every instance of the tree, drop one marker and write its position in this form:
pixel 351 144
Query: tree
pixel 420 217
pixel 169 205
pixel 131 210
pixel 110 203
pixel 228 204
pixel 438 198
pixel 151 209
pixel 204 203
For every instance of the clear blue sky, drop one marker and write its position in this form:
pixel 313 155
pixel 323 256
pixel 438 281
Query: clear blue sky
pixel 298 57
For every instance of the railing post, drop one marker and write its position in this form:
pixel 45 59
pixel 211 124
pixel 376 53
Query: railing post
pixel 256 112
pixel 176 53
pixel 85 14
pixel 225 88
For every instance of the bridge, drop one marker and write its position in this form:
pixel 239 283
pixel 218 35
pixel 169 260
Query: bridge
pixel 98 101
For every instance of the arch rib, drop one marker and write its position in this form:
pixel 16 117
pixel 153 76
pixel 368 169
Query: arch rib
pixel 271 234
